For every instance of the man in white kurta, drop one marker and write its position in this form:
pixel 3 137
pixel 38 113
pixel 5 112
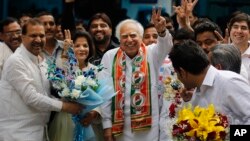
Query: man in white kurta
pixel 5 52
pixel 11 35
pixel 155 56
pixel 25 104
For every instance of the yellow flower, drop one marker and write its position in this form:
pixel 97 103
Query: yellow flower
pixel 167 80
pixel 185 114
pixel 203 121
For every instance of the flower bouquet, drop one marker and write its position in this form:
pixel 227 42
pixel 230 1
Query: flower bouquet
pixel 200 124
pixel 83 87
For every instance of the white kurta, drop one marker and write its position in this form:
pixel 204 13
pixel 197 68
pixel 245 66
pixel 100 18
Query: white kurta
pixel 25 104
pixel 156 55
pixel 165 70
pixel 228 92
pixel 5 52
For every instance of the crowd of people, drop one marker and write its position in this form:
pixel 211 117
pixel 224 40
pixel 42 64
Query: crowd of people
pixel 214 69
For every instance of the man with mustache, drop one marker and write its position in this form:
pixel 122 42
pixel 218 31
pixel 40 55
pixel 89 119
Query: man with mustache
pixel 25 102
pixel 11 34
pixel 53 47
pixel 207 35
pixel 100 28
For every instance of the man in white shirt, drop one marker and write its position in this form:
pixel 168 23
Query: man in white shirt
pixel 11 35
pixel 134 67
pixel 239 31
pixel 25 103
pixel 229 92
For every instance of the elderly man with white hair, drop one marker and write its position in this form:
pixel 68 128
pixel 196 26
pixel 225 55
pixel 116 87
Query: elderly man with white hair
pixel 133 114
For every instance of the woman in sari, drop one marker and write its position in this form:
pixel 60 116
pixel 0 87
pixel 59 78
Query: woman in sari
pixel 62 126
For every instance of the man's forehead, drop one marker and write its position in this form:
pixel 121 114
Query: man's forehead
pixel 46 18
pixel 206 34
pixel 13 24
pixel 31 27
pixel 129 33
pixel 240 23
pixel 98 21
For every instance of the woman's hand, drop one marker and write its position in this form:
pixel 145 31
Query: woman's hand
pixel 67 41
pixel 90 116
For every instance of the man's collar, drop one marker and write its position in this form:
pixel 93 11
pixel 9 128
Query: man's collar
pixel 31 56
pixel 210 76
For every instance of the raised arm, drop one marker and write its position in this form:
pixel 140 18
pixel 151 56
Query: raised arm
pixel 183 12
pixel 164 41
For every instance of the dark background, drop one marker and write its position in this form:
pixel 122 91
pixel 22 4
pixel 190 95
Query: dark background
pixel 217 10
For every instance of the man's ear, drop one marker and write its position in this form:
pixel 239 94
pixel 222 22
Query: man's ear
pixel 182 72
pixel 218 66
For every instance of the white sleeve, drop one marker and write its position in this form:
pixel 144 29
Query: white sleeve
pixel 106 112
pixel 161 49
pixel 237 93
pixel 23 83
pixel 4 54
pixel 1 64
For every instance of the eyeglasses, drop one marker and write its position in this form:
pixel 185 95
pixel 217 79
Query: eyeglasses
pixel 12 33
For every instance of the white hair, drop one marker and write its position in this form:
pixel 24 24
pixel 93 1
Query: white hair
pixel 122 23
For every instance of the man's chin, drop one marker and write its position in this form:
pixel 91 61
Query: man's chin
pixel 49 36
pixel 15 46
pixel 100 41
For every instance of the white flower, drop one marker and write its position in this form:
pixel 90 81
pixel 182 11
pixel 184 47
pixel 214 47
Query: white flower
pixel 169 127
pixel 58 85
pixel 75 93
pixel 65 92
pixel 91 82
pixel 79 80
pixel 63 85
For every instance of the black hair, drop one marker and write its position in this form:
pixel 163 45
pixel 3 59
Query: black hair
pixel 207 26
pixel 189 56
pixel 86 35
pixel 6 22
pixel 102 16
